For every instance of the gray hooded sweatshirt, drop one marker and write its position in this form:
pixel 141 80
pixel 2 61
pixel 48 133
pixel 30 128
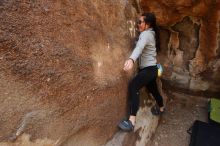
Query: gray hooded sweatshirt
pixel 145 49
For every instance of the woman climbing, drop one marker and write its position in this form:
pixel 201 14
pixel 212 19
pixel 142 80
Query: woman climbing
pixel 146 51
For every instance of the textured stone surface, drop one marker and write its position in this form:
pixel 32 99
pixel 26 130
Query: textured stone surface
pixel 61 70
pixel 61 78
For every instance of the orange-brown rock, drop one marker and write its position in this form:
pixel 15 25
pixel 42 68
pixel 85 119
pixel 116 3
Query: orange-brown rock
pixel 61 74
pixel 61 77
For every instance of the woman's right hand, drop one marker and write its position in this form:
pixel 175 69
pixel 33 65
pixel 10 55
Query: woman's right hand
pixel 128 64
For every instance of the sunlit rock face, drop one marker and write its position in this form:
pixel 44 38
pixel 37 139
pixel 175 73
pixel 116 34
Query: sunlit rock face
pixel 190 42
pixel 61 77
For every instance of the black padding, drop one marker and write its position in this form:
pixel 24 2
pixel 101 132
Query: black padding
pixel 205 134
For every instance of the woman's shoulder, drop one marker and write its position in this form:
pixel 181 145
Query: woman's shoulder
pixel 147 33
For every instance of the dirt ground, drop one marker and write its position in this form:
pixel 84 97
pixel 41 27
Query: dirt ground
pixel 181 111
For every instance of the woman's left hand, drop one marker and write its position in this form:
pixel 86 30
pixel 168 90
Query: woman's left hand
pixel 128 64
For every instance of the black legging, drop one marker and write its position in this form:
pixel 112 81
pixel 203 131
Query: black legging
pixel 145 77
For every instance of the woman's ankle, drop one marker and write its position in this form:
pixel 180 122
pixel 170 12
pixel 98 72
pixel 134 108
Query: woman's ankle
pixel 132 119
pixel 162 108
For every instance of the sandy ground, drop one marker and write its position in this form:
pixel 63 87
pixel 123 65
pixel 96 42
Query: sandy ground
pixel 181 111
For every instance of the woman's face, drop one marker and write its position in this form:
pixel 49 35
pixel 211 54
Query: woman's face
pixel 142 25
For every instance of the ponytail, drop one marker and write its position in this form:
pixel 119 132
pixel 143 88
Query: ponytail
pixel 157 36
pixel 150 19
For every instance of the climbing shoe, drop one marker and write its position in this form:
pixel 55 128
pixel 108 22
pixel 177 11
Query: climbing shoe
pixel 155 110
pixel 126 125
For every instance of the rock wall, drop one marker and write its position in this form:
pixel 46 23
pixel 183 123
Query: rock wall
pixel 61 77
pixel 190 42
